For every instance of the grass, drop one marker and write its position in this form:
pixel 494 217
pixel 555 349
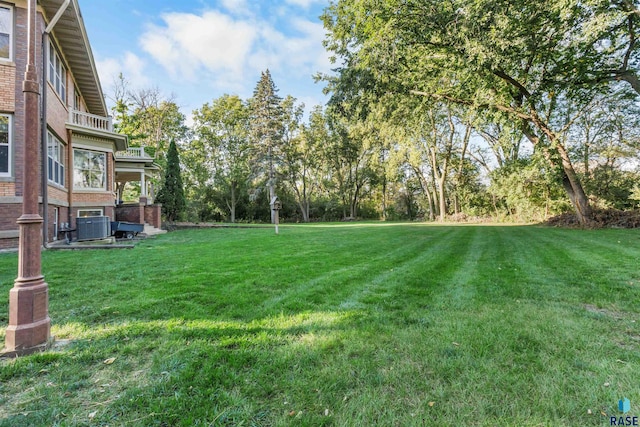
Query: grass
pixel 345 325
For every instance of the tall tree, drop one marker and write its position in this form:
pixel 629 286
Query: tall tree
pixel 171 195
pixel 219 153
pixel 349 152
pixel 302 152
pixel 266 131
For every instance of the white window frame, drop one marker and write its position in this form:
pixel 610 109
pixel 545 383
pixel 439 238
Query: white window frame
pixel 57 74
pixel 77 99
pixel 9 33
pixel 9 145
pixel 55 157
pixel 104 171
pixel 85 213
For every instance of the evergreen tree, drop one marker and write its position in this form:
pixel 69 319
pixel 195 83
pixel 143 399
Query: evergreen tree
pixel 266 130
pixel 172 194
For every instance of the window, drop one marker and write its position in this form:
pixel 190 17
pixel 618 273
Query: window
pixel 5 145
pixel 6 32
pixel 56 159
pixel 77 102
pixel 57 73
pixel 89 170
pixel 85 213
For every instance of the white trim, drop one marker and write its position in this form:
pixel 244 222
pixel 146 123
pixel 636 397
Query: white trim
pixel 57 73
pixel 104 188
pixel 57 161
pixel 56 219
pixel 11 33
pixel 92 147
pixel 10 147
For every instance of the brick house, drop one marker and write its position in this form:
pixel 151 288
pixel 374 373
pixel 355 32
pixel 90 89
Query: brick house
pixel 83 158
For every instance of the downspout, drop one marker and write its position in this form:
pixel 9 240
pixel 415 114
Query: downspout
pixel 43 136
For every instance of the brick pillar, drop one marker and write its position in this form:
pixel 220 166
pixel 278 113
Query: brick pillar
pixel 29 323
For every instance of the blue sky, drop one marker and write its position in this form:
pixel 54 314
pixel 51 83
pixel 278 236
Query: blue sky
pixel 197 50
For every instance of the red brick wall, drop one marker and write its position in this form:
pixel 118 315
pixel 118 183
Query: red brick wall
pixel 58 194
pixel 97 199
pixel 57 114
pixel 152 215
pixel 8 243
pixel 9 213
pixel 7 189
pixel 130 213
pixel 7 87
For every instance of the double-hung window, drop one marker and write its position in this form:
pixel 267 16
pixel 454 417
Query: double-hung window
pixel 5 145
pixel 57 73
pixel 6 32
pixel 55 154
pixel 89 170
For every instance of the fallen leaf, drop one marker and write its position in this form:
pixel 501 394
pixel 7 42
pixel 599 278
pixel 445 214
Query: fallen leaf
pixel 109 361
pixel 455 343
pixel 604 414
pixel 292 413
pixel 431 404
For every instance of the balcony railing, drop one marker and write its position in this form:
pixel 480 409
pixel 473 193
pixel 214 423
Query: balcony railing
pixel 131 152
pixel 91 121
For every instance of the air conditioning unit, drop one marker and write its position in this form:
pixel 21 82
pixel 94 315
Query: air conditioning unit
pixel 93 227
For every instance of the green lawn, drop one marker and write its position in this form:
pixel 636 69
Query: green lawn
pixel 345 325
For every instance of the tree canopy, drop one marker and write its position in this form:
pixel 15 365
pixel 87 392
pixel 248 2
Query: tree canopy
pixel 538 63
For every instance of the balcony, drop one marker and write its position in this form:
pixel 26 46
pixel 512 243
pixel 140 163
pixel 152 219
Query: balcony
pixel 87 120
pixel 93 125
pixel 133 153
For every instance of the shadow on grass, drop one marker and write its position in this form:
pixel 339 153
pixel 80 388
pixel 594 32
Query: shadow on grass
pixel 179 372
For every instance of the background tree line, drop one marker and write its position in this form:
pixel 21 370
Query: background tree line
pixel 489 108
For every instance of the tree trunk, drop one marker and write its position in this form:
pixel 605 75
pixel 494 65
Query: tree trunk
pixel 442 202
pixel 570 180
pixel 232 207
pixel 272 190
pixel 384 198
pixel 303 204
pixel 573 187
pixel 353 208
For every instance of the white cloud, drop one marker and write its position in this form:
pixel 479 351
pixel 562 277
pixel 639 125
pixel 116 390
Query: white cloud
pixel 231 50
pixel 189 42
pixel 236 6
pixel 304 3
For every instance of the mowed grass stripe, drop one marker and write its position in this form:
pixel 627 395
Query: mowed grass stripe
pixel 368 262
pixel 434 325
